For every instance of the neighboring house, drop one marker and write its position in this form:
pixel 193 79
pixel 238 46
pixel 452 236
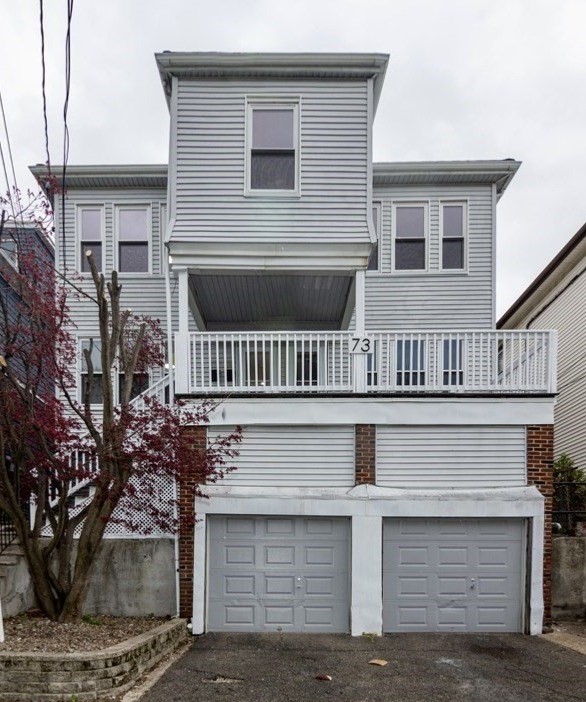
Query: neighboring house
pixel 345 311
pixel 16 238
pixel 556 299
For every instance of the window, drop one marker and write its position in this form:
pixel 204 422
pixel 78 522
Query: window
pixel 133 240
pixel 90 227
pixel 374 261
pixel 409 225
pixel 140 383
pixel 95 392
pixel 272 144
pixel 9 249
pixel 410 362
pixel 307 367
pixel 372 366
pixel 453 235
pixel 453 362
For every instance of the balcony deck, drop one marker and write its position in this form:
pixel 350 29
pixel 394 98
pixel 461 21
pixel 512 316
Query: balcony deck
pixel 389 362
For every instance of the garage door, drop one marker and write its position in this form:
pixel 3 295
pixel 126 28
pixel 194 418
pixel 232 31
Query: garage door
pixel 452 574
pixel 278 573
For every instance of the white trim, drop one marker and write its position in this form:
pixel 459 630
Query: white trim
pixel 145 205
pixel 410 203
pixel 79 208
pixel 368 505
pixel 272 102
pixel 380 410
pixel 465 233
pixel 494 199
pixel 369 149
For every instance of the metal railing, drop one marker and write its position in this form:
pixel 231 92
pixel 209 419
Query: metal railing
pixel 569 505
pixel 471 361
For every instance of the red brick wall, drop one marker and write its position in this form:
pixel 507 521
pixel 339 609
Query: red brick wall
pixel 365 453
pixel 186 535
pixel 540 474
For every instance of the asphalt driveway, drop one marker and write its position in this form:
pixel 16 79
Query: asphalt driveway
pixel 421 668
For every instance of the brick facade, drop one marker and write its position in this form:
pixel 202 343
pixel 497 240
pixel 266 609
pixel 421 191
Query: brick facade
pixel 540 474
pixel 365 453
pixel 186 535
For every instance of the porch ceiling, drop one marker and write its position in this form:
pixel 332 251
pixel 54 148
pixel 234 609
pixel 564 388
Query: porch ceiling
pixel 272 301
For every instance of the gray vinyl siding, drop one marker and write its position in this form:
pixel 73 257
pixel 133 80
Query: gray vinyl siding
pixel 567 314
pixel 435 299
pixel 296 456
pixel 210 164
pixel 143 293
pixel 450 457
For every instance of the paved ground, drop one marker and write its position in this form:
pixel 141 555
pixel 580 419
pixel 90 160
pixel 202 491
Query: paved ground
pixel 421 668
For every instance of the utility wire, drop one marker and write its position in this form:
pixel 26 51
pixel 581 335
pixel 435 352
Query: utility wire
pixel 65 126
pixel 43 85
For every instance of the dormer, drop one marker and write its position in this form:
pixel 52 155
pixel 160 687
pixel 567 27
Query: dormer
pixel 270 162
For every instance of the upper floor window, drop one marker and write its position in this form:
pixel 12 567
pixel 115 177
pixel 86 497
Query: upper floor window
pixel 94 348
pixel 410 362
pixel 9 249
pixel 273 158
pixel 90 223
pixel 453 226
pixel 133 239
pixel 410 234
pixel 374 260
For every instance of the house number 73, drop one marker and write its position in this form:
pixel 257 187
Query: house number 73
pixel 361 344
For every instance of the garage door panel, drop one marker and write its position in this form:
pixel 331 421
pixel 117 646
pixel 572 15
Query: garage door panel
pixel 281 573
pixel 460 576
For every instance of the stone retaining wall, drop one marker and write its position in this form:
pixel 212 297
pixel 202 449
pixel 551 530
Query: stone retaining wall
pixel 569 577
pixel 55 677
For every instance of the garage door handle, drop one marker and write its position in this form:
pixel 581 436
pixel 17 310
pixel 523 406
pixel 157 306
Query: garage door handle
pixel 472 584
pixel 298 583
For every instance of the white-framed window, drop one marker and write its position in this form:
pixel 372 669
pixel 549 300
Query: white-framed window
pixel 453 230
pixel 272 147
pixel 140 381
pixel 410 233
pixel 410 362
pixel 133 226
pixel 9 249
pixel 90 227
pixel 453 362
pixel 374 262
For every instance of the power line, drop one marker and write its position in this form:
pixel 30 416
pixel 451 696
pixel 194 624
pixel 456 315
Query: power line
pixel 43 87
pixel 65 126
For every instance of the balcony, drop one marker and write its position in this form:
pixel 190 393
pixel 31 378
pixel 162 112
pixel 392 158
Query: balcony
pixel 437 362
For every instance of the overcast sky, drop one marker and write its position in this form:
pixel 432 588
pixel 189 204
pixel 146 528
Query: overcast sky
pixel 467 79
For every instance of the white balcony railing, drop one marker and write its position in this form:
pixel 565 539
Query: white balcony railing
pixel 476 361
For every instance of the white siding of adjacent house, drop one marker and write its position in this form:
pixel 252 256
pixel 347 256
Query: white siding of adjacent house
pixel 567 314
pixel 450 457
pixel 435 299
pixel 295 456
pixel 210 164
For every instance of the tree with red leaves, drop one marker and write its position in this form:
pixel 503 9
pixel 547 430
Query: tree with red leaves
pixel 53 443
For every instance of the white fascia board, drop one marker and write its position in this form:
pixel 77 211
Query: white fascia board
pixel 383 410
pixel 225 255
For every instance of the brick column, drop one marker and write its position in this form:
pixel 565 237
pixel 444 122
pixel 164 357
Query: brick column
pixel 198 435
pixel 540 474
pixel 365 453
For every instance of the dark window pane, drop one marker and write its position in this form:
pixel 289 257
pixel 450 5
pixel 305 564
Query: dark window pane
pixel 96 249
pixel 375 219
pixel 373 260
pixel 96 356
pixel 96 395
pixel 453 220
pixel 132 225
pixel 453 369
pixel 409 255
pixel 272 129
pixel 140 383
pixel 453 254
pixel 133 258
pixel 410 222
pixel 272 170
pixel 306 368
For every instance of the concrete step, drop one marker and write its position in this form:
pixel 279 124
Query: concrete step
pixel 8 559
pixel 15 549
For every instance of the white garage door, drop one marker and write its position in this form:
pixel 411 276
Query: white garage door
pixel 278 573
pixel 452 574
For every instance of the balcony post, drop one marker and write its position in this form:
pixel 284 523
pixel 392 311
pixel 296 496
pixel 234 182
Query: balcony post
pixel 359 359
pixel 182 340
